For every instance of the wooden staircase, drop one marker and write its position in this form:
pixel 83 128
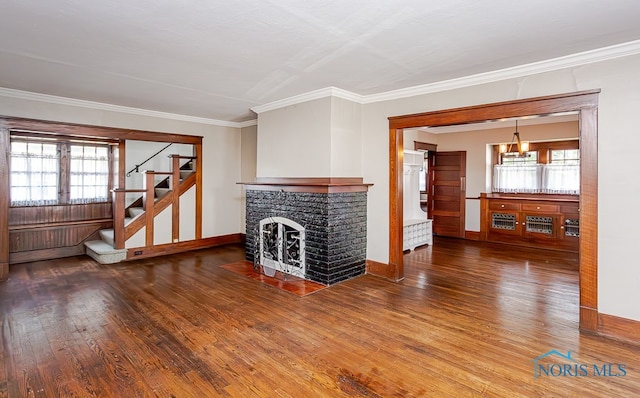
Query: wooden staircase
pixel 141 213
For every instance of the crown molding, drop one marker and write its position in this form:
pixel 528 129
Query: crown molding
pixel 248 123
pixel 568 61
pixel 574 60
pixel 52 99
pixel 312 95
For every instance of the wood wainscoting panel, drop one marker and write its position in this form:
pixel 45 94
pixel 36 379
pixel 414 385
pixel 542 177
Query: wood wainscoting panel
pixel 38 215
pixel 49 241
pixel 56 236
pixel 48 232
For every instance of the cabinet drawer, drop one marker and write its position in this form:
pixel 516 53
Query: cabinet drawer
pixel 540 207
pixel 570 209
pixel 504 206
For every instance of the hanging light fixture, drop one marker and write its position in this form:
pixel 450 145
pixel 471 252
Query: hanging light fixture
pixel 522 146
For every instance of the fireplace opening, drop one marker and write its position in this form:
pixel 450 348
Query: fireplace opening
pixel 282 244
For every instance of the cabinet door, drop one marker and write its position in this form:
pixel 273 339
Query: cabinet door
pixel 540 226
pixel 569 233
pixel 504 223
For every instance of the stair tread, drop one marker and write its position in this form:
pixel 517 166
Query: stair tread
pixel 135 211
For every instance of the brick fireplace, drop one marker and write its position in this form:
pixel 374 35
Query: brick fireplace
pixel 331 211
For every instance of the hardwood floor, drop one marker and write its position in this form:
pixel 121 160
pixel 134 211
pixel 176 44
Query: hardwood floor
pixel 467 321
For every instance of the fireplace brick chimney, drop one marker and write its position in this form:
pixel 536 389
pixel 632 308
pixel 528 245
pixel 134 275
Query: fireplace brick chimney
pixel 333 212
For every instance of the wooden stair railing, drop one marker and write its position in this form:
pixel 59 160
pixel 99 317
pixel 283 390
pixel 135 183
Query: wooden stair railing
pixel 119 210
pixel 151 206
pixel 176 184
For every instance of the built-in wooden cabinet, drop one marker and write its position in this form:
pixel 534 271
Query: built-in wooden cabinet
pixel 544 221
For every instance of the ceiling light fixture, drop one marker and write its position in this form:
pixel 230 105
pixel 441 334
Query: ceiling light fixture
pixel 523 146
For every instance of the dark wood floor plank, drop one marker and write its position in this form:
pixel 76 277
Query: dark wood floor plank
pixel 467 320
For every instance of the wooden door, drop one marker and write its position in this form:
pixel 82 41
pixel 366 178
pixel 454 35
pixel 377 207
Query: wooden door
pixel 447 192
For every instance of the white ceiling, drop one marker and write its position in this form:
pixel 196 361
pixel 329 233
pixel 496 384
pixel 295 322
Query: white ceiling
pixel 218 59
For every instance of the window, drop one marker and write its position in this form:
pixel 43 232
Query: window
pixel 48 172
pixel 34 173
pixel 512 158
pixel 517 173
pixel 550 167
pixel 565 156
pixel 89 174
pixel 517 177
pixel 562 175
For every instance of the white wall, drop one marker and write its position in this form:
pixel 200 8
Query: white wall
pixel 187 212
pixel 249 153
pixel 295 141
pixel 162 227
pixel 346 139
pixel 139 151
pixel 221 151
pixel 318 138
pixel 222 196
pixel 410 137
pixel 618 273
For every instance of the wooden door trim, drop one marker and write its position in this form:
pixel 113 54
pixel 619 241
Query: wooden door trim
pixel 583 102
pixel 424 146
pixel 4 204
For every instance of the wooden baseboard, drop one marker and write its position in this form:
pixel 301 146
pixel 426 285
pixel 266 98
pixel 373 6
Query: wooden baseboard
pixel 623 329
pixel 588 319
pixel 381 270
pixel 180 247
pixel 472 235
pixel 4 271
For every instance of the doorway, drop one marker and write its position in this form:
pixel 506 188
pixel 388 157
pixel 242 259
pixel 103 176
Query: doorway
pixel 442 188
pixel 586 104
pixel 446 199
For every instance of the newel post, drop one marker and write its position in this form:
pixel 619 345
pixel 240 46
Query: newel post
pixel 175 198
pixel 118 218
pixel 148 199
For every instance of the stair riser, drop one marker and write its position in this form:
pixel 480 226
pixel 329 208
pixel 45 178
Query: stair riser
pixel 107 236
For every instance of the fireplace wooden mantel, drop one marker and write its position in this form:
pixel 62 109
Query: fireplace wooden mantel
pixel 308 184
